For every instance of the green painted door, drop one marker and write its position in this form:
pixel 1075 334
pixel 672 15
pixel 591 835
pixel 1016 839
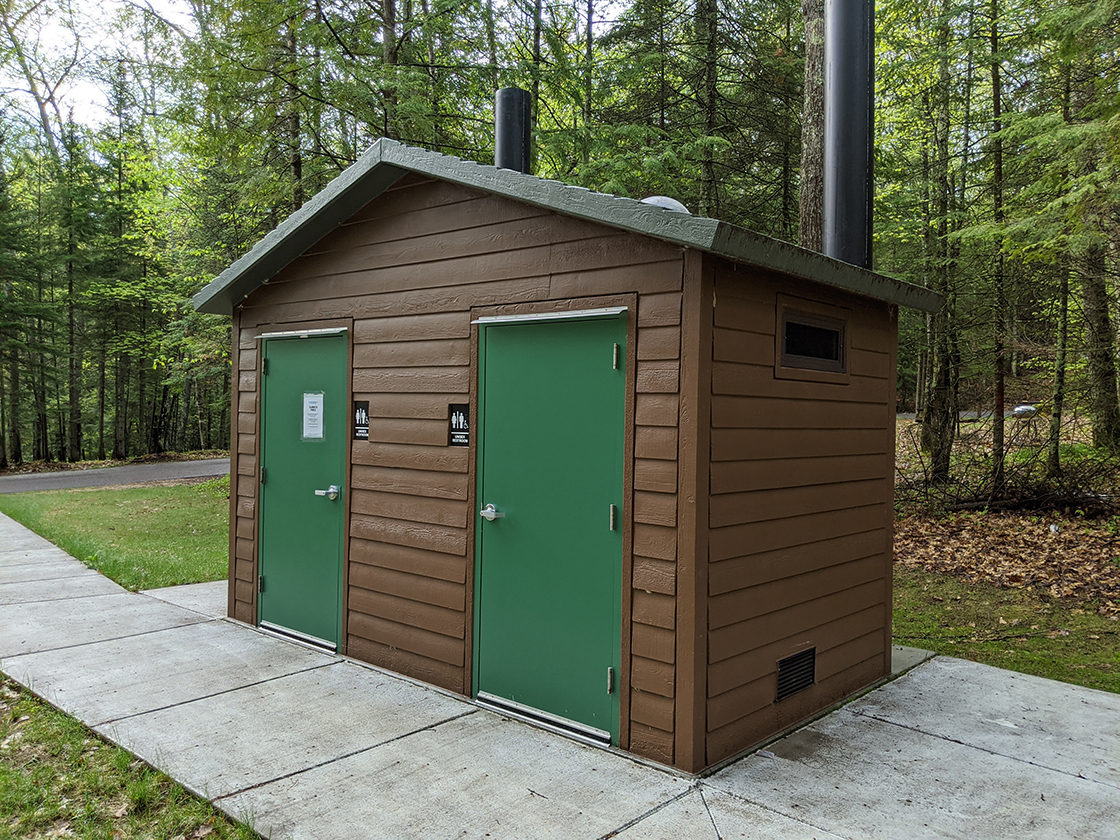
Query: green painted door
pixel 549 574
pixel 303 453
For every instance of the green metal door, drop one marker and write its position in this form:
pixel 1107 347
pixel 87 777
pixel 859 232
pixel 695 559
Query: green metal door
pixel 549 554
pixel 303 453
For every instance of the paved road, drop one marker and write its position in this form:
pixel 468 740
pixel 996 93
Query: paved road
pixel 131 474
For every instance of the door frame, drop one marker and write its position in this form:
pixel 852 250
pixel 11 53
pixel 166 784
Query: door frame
pixel 561 309
pixel 251 336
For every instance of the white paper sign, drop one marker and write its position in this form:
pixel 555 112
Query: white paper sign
pixel 313 416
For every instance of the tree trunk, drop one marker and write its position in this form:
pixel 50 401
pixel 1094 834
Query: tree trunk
pixel 940 422
pixel 40 430
pixel 389 56
pixel 295 151
pixel 1000 362
pixel 3 422
pixel 707 29
pixel 1054 442
pixel 15 414
pixel 811 188
pixel 1100 349
pixel 535 85
pixel 588 88
pixel 74 421
pixel 101 406
pixel 120 408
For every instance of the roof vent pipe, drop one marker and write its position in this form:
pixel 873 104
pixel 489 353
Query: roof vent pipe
pixel 511 129
pixel 849 108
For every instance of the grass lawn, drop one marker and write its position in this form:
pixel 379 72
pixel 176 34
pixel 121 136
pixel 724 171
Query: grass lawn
pixel 58 779
pixel 1013 628
pixel 141 537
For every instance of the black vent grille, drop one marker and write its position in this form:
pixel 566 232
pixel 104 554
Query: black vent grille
pixel 797 672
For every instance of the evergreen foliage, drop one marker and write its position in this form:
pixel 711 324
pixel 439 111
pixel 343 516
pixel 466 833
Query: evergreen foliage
pixel 997 159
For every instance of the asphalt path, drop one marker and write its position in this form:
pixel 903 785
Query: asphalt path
pixel 107 476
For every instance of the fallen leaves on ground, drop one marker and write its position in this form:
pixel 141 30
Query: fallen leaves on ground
pixel 1077 562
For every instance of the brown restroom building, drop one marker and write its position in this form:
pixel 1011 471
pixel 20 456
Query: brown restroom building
pixel 608 466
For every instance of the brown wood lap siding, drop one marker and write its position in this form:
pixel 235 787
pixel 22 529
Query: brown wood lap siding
pixel 408 269
pixel 243 479
pixel 654 584
pixel 799 540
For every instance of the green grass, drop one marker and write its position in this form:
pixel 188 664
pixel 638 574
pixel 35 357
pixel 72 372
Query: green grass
pixel 58 779
pixel 141 537
pixel 1010 628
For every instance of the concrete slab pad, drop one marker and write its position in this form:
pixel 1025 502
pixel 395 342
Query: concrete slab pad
pixel 1064 727
pixel 106 680
pixel 226 743
pixel 79 586
pixel 860 777
pixel 51 569
pixel 477 776
pixel 206 598
pixel 45 625
pixel 708 814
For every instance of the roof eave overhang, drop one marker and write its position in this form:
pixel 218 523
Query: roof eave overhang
pixel 387 161
pixel 742 245
pixel 344 197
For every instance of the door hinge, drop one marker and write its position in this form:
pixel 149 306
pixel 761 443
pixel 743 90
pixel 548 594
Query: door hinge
pixel 264 367
pixel 614 517
pixel 610 680
pixel 262 475
pixel 260 583
pixel 617 356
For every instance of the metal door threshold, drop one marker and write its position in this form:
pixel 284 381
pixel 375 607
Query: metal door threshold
pixel 553 723
pixel 295 636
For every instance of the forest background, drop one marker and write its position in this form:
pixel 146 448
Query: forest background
pixel 997 148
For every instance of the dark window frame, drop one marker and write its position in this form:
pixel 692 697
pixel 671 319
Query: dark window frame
pixel 807 362
pixel 813 313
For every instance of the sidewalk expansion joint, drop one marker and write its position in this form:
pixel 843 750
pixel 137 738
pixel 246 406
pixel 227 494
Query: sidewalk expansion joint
pixel 107 638
pixel 216 693
pixel 708 810
pixel 48 580
pixel 67 597
pixel 659 807
pixel 764 807
pixel 37 563
pixel 989 751
pixel 344 756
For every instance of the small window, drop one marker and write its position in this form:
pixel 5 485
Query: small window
pixel 812 342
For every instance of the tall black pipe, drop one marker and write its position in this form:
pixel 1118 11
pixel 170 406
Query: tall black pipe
pixel 511 129
pixel 849 114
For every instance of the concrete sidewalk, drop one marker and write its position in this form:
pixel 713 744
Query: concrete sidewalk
pixel 301 743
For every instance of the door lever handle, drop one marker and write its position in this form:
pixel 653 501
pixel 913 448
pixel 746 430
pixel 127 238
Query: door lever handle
pixel 331 492
pixel 490 513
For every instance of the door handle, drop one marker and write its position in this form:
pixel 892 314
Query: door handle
pixel 490 513
pixel 331 492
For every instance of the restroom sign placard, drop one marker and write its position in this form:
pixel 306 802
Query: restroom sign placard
pixel 361 419
pixel 459 424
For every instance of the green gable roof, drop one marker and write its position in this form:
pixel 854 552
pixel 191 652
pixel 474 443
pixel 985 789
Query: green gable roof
pixel 386 161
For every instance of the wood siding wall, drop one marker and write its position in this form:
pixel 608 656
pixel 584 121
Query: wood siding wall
pixel 408 270
pixel 800 512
